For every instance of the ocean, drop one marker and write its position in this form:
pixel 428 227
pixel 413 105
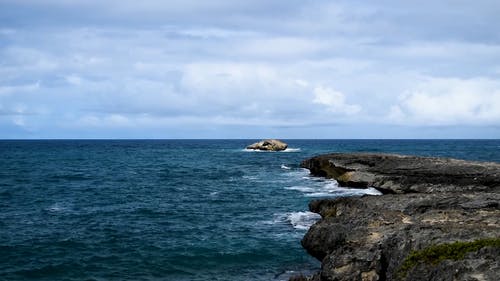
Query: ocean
pixel 171 209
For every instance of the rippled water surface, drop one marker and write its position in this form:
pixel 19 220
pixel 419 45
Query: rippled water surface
pixel 170 209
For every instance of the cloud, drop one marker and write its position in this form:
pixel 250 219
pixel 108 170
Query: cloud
pixel 7 90
pixel 281 64
pixel 334 101
pixel 106 121
pixel 245 89
pixel 74 79
pixel 279 47
pixel 448 101
pixel 262 91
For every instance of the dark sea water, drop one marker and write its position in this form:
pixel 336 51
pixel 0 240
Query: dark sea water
pixel 171 209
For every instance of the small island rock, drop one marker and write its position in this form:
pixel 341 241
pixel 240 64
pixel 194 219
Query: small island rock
pixel 268 145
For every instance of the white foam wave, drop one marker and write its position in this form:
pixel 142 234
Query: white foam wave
pixel 358 191
pixel 285 167
pixel 301 188
pixel 331 188
pixel 318 194
pixel 372 191
pixel 292 150
pixel 277 219
pixel 302 220
pixel 296 174
pixel 344 192
pixel 307 176
pixel 58 207
pixel 331 185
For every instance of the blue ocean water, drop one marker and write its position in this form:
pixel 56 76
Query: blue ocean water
pixel 171 209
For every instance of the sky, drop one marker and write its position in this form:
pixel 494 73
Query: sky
pixel 249 69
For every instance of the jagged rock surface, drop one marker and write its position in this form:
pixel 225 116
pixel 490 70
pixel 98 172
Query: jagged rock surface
pixel 268 145
pixel 392 173
pixel 368 238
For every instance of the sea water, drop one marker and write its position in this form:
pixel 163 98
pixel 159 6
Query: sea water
pixel 172 209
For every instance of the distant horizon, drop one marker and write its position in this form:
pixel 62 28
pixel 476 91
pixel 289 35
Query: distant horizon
pixel 243 139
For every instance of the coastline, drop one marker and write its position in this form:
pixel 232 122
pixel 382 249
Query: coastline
pixel 439 218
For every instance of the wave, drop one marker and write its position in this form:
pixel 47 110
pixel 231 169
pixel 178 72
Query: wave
pixel 285 167
pixel 302 220
pixel 250 150
pixel 360 191
pixel 301 188
pixel 318 194
pixel 58 208
pixel 297 174
pixel 331 189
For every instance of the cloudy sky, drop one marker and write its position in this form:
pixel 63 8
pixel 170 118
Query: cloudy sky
pixel 249 69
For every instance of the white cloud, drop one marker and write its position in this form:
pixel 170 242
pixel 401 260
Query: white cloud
pixel 228 78
pixel 301 82
pixel 334 101
pixel 74 79
pixel 279 47
pixel 19 120
pixel 108 120
pixel 243 89
pixel 7 90
pixel 450 101
pixel 212 32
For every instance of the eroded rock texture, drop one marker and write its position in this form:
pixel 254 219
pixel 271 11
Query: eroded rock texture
pixel 427 202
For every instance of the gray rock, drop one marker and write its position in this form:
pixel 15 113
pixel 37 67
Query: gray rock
pixel 436 201
pixel 268 145
pixel 390 173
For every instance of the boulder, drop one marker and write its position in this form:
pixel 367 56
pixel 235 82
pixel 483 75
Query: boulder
pixel 268 145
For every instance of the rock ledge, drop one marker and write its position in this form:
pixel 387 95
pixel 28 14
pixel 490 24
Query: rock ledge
pixel 428 206
pixel 392 173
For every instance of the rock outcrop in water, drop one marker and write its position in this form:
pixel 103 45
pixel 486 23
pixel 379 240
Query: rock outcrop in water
pixel 268 145
pixel 439 219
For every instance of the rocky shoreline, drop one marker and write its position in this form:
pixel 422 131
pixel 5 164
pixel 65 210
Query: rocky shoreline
pixel 439 219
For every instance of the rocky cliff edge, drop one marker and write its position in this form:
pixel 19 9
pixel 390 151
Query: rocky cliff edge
pixel 439 219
